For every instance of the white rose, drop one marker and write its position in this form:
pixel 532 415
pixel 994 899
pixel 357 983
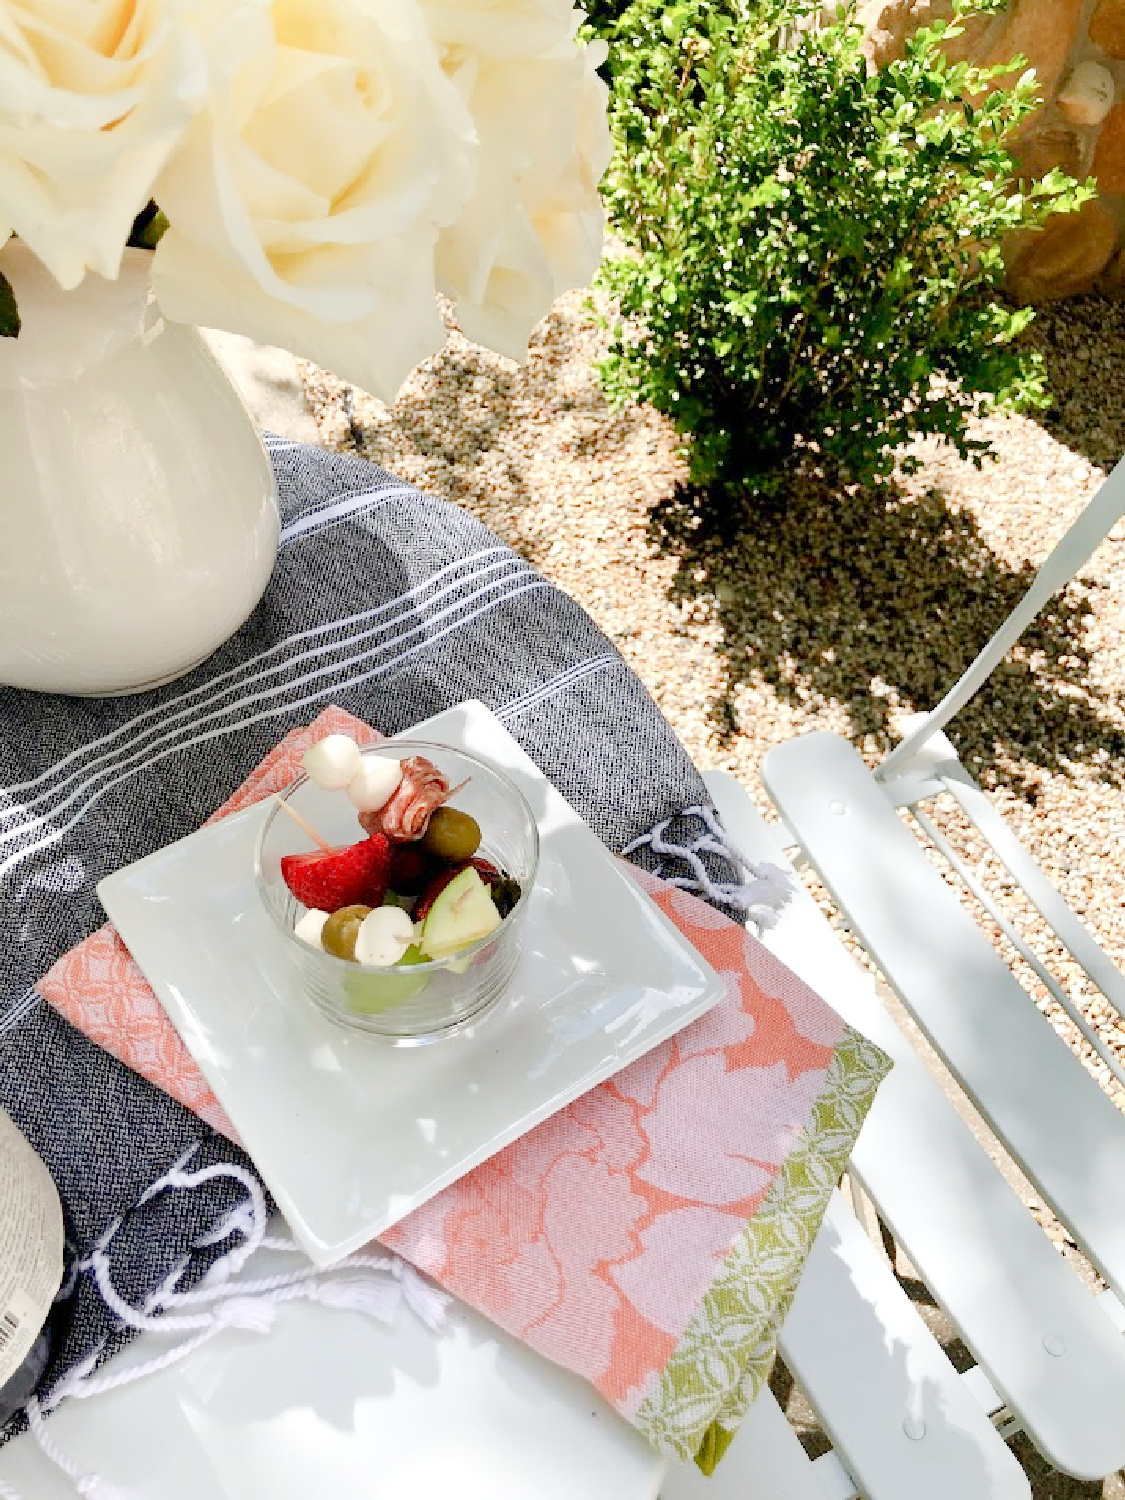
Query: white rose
pixel 93 96
pixel 305 200
pixel 533 228
pixel 501 28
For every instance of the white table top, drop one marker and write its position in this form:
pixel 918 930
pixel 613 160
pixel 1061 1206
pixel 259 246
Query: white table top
pixel 334 1403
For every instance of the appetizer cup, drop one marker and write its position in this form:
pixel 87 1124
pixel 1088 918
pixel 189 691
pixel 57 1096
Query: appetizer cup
pixel 408 1004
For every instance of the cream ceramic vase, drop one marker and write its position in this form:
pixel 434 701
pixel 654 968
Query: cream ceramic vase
pixel 138 508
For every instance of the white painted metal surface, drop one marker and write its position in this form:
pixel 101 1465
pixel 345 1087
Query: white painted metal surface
pixel 898 1414
pixel 864 1358
pixel 764 1462
pixel 903 1421
pixel 1047 1348
pixel 1075 935
pixel 333 1406
pixel 1062 1129
pixel 1044 1342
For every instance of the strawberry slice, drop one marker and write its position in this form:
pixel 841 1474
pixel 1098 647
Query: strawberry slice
pixel 326 879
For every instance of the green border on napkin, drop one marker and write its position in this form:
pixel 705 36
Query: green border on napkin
pixel 724 1358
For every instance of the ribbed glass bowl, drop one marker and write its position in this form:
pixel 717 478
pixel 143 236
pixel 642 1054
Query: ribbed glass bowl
pixel 429 1000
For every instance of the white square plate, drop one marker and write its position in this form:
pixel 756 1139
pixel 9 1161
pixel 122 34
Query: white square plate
pixel 351 1134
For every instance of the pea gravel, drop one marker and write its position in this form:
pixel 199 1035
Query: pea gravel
pixel 840 609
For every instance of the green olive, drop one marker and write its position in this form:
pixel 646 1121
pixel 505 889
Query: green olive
pixel 452 835
pixel 338 934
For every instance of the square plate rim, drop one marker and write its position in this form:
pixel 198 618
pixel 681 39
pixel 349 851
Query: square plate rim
pixel 711 990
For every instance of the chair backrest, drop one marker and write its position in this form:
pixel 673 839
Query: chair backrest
pixel 924 763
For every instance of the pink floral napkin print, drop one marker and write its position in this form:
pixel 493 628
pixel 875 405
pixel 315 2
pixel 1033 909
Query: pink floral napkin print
pixel 650 1235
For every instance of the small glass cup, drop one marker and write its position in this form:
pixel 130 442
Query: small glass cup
pixel 421 1002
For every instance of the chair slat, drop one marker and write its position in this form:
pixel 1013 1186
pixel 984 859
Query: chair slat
pixel 1076 936
pixel 889 1398
pixel 971 1239
pixel 1036 1095
pixel 764 1462
pixel 1004 924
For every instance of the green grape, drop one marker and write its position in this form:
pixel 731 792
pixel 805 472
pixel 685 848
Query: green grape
pixel 452 835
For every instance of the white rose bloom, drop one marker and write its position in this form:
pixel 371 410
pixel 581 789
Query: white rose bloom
pixel 306 199
pixel 501 28
pixel 533 228
pixel 93 96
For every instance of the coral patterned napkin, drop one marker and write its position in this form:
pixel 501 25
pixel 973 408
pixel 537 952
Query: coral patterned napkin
pixel 649 1236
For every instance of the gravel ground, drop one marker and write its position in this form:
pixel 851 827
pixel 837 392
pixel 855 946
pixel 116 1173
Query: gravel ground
pixel 839 611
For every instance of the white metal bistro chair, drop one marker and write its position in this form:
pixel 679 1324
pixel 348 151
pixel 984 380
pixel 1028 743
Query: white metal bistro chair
pixel 1050 1353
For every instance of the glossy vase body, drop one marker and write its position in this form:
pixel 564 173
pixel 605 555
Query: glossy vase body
pixel 138 507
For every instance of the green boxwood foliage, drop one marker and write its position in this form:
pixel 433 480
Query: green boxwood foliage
pixel 811 265
pixel 603 15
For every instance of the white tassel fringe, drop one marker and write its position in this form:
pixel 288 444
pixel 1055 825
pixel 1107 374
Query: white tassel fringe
pixel 376 1284
pixel 761 896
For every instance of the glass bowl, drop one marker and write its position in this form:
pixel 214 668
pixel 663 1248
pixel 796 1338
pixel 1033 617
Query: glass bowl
pixel 427 1000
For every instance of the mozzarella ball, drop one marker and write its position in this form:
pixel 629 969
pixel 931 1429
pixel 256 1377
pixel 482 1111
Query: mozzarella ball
pixel 309 928
pixel 332 762
pixel 374 782
pixel 384 936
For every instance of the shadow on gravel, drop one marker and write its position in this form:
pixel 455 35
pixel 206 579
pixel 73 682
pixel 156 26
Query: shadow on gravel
pixel 1083 346
pixel 849 598
pixel 830 597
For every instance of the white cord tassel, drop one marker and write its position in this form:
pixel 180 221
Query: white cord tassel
pixel 379 1299
pixel 762 896
pixel 248 1218
pixel 90 1486
pixel 376 1284
pixel 426 1301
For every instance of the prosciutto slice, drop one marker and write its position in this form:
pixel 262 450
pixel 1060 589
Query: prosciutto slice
pixel 406 815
